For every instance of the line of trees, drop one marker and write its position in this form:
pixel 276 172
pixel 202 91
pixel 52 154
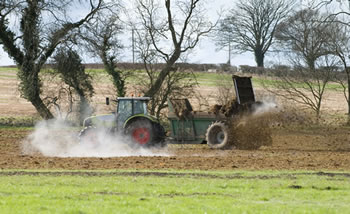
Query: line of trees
pixel 313 40
pixel 165 32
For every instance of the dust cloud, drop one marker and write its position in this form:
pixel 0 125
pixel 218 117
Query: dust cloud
pixel 54 138
pixel 266 106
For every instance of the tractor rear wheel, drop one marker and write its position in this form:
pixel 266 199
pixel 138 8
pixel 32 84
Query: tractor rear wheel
pixel 217 136
pixel 143 132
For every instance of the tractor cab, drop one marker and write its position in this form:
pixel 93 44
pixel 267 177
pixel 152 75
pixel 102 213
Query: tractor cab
pixel 130 106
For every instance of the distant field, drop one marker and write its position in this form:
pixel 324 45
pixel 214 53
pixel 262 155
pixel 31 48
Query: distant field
pixel 173 192
pixel 7 69
pixel 203 78
pixel 11 103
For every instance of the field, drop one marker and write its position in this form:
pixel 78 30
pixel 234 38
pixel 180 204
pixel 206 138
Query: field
pixel 305 170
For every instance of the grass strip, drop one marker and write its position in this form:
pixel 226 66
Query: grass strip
pixel 173 192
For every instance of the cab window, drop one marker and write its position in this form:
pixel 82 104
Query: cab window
pixel 139 107
pixel 124 110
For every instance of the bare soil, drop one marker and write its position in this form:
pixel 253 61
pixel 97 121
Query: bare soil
pixel 303 148
pixel 316 149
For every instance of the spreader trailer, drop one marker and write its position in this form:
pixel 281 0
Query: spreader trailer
pixel 213 128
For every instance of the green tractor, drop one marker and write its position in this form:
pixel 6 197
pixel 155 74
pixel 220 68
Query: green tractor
pixel 186 126
pixel 131 118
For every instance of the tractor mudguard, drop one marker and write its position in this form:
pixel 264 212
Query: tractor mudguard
pixel 148 117
pixel 106 121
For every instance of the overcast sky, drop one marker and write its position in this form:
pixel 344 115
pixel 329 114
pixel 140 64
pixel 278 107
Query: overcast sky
pixel 205 52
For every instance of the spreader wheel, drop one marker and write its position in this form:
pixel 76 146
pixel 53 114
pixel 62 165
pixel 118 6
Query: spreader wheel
pixel 217 136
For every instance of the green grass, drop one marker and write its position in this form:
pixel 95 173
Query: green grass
pixel 210 79
pixel 257 81
pixel 18 121
pixel 8 69
pixel 214 192
pixel 203 78
pixel 4 73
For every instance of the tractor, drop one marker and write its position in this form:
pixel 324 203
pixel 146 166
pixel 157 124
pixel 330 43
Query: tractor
pixel 131 118
pixel 186 126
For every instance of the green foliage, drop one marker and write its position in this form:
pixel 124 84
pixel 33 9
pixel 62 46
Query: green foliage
pixel 68 64
pixel 101 36
pixel 36 39
pixel 118 76
pixel 175 192
pixel 7 39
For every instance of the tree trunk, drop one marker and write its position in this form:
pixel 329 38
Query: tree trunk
pixel 259 57
pixel 85 110
pixel 41 108
pixel 348 76
pixel 311 64
pixel 158 83
pixel 30 88
pixel 318 111
pixel 163 74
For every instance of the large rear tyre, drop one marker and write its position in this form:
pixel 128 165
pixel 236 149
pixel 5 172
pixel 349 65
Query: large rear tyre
pixel 217 136
pixel 144 133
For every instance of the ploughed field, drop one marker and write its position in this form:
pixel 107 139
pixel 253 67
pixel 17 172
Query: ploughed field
pixel 291 149
pixel 304 147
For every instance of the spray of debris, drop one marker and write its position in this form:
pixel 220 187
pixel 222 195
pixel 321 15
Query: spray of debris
pixel 253 130
pixel 54 138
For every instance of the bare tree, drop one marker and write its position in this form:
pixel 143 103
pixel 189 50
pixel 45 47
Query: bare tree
pixel 43 26
pixel 306 38
pixel 317 4
pixel 172 33
pixel 303 85
pixel 101 36
pixel 251 26
pixel 225 90
pixel 306 34
pixel 340 45
pixel 177 84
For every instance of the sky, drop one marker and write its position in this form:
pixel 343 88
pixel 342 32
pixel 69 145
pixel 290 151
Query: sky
pixel 205 52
